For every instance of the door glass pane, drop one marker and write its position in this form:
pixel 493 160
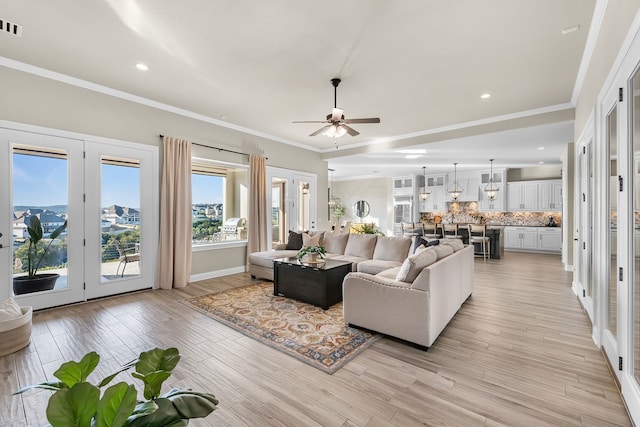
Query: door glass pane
pixel 40 183
pixel 304 210
pixel 120 218
pixel 612 288
pixel 278 228
pixel 635 128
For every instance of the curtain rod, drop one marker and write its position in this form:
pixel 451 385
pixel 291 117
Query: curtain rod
pixel 217 148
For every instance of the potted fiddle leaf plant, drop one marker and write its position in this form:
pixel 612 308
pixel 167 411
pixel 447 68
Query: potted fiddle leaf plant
pixel 77 402
pixel 36 252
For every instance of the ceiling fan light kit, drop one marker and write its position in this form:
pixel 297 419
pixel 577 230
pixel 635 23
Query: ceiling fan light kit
pixel 335 124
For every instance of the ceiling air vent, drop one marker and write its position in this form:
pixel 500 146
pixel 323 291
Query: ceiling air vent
pixel 10 28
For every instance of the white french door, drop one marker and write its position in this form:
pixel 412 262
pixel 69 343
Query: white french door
pixel 121 218
pixel 54 176
pixel 292 202
pixel 585 232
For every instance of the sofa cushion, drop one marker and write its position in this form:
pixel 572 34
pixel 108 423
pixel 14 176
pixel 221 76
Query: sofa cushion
pixel 456 244
pixel 443 251
pixel 375 266
pixel 422 241
pixel 265 258
pixel 335 242
pixel 355 260
pixel 392 248
pixel 413 265
pixel 294 241
pixel 361 245
pixel 309 240
pixel 391 273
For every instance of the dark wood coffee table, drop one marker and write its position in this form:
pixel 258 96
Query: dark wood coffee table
pixel 318 284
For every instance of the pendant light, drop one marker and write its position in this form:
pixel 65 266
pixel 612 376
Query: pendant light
pixel 491 188
pixel 455 190
pixel 425 193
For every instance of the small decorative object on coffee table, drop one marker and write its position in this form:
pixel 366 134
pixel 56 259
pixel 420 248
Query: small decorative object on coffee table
pixel 313 252
pixel 319 284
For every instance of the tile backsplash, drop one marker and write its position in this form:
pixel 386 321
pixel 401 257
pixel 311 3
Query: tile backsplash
pixel 467 212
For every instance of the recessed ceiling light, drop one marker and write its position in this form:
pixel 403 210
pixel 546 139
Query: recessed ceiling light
pixel 540 148
pixel 541 163
pixel 570 30
pixel 141 66
pixel 413 156
pixel 485 96
pixel 413 151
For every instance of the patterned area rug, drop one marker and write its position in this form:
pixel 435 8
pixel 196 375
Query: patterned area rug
pixel 313 335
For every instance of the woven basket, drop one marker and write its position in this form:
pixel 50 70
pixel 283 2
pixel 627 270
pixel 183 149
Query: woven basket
pixel 15 333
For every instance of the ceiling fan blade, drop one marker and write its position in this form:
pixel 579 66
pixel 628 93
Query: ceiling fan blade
pixel 309 121
pixel 351 131
pixel 336 116
pixel 320 130
pixel 369 120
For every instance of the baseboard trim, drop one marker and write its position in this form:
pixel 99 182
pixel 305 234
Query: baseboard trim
pixel 217 273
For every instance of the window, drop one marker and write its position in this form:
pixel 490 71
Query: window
pixel 219 197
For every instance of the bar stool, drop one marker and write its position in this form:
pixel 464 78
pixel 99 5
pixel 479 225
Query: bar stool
pixel 450 231
pixel 478 234
pixel 430 230
pixel 408 229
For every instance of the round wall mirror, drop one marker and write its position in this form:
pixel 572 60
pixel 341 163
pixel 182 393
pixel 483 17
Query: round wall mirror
pixel 361 208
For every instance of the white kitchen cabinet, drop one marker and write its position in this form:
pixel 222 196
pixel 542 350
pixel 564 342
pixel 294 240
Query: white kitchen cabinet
pixel 437 199
pixel 403 186
pixel 550 196
pixel 499 204
pixel 521 238
pixel 549 239
pixel 522 196
pixel 469 183
pixel 533 239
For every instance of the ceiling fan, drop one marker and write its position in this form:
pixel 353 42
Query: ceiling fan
pixel 336 124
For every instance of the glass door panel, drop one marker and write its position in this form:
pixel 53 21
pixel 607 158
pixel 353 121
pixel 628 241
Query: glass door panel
pixel 120 219
pixel 278 211
pixel 635 205
pixel 612 287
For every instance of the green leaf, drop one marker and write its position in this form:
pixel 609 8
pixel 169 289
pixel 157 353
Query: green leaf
pixel 143 408
pixel 35 229
pixel 74 406
pixel 152 382
pixel 165 415
pixel 76 372
pixel 116 405
pixel 157 360
pixel 49 385
pixel 191 404
pixel 123 368
pixel 58 231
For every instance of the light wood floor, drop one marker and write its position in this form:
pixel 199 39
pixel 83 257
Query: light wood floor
pixel 519 352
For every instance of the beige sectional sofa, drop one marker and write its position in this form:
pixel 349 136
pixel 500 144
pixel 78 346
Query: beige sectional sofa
pixel 391 289
pixel 418 308
pixel 369 253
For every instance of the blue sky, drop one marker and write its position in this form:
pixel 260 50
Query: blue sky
pixel 49 185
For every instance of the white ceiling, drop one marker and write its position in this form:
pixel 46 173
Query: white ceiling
pixel 419 65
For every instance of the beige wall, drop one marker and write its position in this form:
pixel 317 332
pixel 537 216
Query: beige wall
pixel 534 173
pixel 43 102
pixel 615 25
pixel 376 191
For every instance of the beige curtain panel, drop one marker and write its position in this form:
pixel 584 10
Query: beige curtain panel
pixel 258 221
pixel 174 254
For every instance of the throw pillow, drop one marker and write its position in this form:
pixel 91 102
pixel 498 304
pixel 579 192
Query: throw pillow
pixel 295 241
pixel 10 310
pixel 422 241
pixel 308 240
pixel 412 266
